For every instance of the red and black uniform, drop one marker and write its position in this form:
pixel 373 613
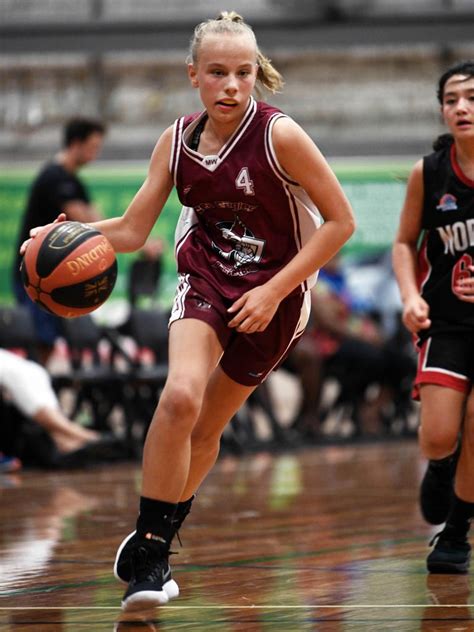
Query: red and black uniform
pixel 243 220
pixel 445 254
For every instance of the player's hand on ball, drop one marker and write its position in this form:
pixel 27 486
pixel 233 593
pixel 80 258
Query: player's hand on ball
pixel 69 269
pixel 37 229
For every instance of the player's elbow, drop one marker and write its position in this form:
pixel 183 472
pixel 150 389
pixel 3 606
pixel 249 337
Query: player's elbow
pixel 134 242
pixel 348 227
pixel 132 236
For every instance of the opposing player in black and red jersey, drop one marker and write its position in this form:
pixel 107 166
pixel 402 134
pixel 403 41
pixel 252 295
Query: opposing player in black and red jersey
pixel 248 245
pixel 433 259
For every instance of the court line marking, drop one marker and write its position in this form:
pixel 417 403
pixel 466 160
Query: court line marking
pixel 268 607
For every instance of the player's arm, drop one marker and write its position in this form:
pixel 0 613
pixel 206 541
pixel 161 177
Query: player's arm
pixel 80 211
pixel 130 231
pixel 405 253
pixel 304 163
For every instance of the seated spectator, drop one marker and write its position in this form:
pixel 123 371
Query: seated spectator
pixel 345 336
pixel 28 386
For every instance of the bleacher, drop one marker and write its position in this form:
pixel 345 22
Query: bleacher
pixel 357 71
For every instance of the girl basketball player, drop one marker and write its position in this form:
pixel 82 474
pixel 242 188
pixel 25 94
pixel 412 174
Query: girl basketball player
pixel 248 246
pixel 433 261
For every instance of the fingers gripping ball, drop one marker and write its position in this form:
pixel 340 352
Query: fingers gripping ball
pixel 69 269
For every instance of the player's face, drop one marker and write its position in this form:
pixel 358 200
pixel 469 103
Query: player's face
pixel 225 74
pixel 458 106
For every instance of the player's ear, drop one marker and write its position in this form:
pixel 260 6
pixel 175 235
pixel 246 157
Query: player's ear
pixel 192 74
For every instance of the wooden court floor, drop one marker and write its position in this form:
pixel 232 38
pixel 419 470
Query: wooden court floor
pixel 327 538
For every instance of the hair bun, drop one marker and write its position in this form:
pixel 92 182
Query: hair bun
pixel 232 16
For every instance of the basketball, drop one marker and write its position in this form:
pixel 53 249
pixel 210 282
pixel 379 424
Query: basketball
pixel 69 269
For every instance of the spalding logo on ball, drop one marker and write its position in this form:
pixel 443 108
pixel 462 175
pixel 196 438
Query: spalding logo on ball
pixel 69 269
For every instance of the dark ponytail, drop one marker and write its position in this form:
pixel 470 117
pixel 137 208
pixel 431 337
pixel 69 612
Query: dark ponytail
pixel 443 142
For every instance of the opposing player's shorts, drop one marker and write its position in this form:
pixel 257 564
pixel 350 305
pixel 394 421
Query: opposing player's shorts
pixel 446 359
pixel 247 358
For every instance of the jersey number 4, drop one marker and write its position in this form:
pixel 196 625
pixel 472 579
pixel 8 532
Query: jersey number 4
pixel 244 182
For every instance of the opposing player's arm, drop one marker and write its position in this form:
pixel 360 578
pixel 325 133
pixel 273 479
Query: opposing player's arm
pixel 406 240
pixel 405 255
pixel 130 231
pixel 304 163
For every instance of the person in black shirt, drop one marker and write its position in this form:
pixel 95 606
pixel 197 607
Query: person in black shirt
pixel 55 190
pixel 433 259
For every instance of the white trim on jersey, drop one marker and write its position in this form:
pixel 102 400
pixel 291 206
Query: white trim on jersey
pixel 305 313
pixel 225 149
pixel 176 147
pixel 186 224
pixel 182 289
pixel 306 217
pixel 296 225
pixel 270 151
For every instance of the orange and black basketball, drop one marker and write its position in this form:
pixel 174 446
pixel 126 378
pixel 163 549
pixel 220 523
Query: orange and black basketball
pixel 69 269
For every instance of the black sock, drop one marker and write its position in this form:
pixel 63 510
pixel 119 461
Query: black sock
pixel 182 510
pixel 155 521
pixel 460 516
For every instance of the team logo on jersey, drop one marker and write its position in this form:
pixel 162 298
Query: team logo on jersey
pixel 211 162
pixel 447 203
pixel 246 248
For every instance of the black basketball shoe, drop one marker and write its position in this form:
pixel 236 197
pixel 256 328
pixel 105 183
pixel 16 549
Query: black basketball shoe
pixel 436 492
pixel 451 553
pixel 122 565
pixel 150 573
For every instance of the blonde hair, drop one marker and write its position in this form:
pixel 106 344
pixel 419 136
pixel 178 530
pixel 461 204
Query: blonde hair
pixel 231 22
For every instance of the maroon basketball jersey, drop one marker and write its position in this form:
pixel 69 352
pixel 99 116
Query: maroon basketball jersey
pixel 243 217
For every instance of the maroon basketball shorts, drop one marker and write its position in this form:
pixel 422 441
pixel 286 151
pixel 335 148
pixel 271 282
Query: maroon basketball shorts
pixel 446 359
pixel 247 358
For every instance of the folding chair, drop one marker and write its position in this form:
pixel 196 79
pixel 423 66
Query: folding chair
pixel 91 374
pixel 17 330
pixel 143 280
pixel 147 368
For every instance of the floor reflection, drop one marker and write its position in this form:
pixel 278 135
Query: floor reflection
pixel 323 539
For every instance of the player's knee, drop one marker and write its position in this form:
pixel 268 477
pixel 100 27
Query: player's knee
pixel 180 403
pixel 438 442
